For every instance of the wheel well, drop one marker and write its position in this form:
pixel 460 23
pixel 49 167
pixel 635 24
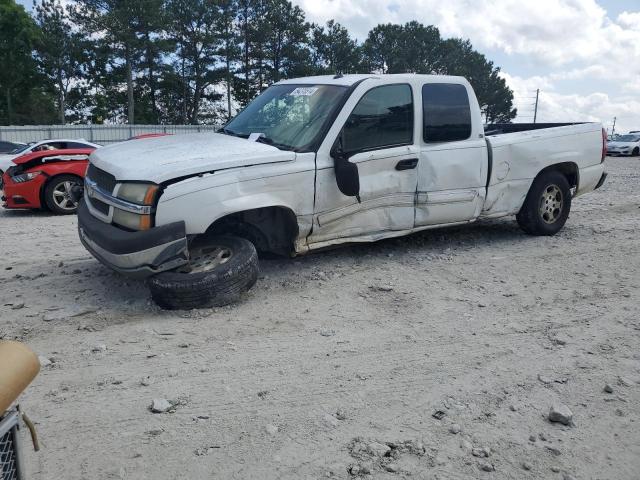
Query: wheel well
pixel 270 229
pixel 568 169
pixel 43 202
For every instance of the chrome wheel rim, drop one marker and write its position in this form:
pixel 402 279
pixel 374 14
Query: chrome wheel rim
pixel 206 258
pixel 551 204
pixel 62 196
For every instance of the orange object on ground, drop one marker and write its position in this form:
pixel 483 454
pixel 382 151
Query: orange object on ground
pixel 18 367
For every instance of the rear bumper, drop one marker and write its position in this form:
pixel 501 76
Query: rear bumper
pixel 135 254
pixel 601 181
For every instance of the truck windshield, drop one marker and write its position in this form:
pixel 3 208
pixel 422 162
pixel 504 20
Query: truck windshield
pixel 290 117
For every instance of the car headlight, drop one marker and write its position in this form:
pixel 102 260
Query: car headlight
pixel 139 193
pixel 130 220
pixel 25 177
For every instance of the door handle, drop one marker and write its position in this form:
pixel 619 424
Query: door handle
pixel 408 164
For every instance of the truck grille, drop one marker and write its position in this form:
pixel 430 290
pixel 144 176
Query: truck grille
pixel 9 457
pixel 102 207
pixel 105 180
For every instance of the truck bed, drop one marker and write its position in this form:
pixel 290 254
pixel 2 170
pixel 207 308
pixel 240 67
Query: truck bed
pixel 494 129
pixel 519 151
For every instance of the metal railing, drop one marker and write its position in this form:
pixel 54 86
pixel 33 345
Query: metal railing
pixel 101 134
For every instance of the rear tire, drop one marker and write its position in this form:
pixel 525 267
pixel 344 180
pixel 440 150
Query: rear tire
pixel 221 269
pixel 57 194
pixel 547 206
pixel 636 152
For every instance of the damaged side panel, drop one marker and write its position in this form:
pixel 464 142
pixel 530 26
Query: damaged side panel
pixel 213 197
pixel 517 158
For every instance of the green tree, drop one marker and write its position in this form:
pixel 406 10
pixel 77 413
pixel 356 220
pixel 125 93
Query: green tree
pixel 409 48
pixel 194 28
pixel 153 45
pixel 58 50
pixel 416 48
pixel 334 51
pixel 229 51
pixel 18 34
pixel 286 41
pixel 494 96
pixel 115 23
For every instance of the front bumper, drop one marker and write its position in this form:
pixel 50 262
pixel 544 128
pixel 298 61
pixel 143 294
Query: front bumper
pixel 135 254
pixel 22 195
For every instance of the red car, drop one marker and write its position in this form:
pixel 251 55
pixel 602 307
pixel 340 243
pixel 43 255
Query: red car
pixel 46 180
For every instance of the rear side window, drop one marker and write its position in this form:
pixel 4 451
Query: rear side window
pixel 447 113
pixel 73 145
pixel 383 118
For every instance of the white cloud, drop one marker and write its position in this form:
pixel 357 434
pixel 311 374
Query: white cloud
pixel 554 106
pixel 567 41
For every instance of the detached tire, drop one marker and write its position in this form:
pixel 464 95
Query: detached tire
pixel 547 206
pixel 221 269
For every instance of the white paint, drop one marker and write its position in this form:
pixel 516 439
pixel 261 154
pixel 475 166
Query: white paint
pixel 447 187
pixel 160 159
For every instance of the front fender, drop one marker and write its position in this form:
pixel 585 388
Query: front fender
pixel 200 201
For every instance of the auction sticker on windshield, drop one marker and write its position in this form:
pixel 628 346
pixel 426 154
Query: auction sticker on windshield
pixel 304 91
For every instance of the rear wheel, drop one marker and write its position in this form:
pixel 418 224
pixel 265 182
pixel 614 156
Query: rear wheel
pixel 636 152
pixel 220 270
pixel 58 194
pixel 547 206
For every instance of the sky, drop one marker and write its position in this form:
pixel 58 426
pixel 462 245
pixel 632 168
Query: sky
pixel 583 55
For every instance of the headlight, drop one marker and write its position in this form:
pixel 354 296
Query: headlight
pixel 140 193
pixel 132 221
pixel 25 177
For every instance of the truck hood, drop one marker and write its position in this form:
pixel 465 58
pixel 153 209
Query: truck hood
pixel 164 158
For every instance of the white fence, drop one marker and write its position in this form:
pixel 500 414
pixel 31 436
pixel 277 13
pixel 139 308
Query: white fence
pixel 101 134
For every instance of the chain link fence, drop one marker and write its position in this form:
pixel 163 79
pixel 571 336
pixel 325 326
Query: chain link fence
pixel 101 134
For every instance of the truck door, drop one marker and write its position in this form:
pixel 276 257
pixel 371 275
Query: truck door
pixel 379 137
pixel 453 164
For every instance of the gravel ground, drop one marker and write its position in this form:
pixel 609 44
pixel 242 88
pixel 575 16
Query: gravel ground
pixel 438 355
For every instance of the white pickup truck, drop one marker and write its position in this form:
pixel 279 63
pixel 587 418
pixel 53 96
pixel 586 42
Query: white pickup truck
pixel 314 162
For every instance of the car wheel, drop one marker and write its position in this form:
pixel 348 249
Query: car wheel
pixel 547 206
pixel 220 270
pixel 636 152
pixel 58 194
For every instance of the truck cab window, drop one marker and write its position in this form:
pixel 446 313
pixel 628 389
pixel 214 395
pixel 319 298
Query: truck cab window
pixel 382 118
pixel 447 113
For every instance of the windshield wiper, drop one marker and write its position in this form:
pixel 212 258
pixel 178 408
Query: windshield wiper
pixel 226 131
pixel 269 141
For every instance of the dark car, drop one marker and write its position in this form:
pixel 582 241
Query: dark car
pixel 8 147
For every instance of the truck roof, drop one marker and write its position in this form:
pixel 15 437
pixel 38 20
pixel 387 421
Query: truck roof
pixel 348 80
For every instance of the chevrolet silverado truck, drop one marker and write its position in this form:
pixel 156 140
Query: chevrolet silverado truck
pixel 319 161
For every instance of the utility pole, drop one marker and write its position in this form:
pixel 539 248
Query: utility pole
pixel 613 129
pixel 535 112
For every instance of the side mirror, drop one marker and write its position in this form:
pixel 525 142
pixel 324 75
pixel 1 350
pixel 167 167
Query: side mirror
pixel 347 176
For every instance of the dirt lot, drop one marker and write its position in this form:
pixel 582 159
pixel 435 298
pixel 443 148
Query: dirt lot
pixel 337 364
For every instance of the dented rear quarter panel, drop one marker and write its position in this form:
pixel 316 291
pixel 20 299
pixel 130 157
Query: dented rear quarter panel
pixel 517 158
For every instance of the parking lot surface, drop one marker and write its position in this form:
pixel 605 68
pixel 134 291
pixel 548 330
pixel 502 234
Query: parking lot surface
pixel 438 355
